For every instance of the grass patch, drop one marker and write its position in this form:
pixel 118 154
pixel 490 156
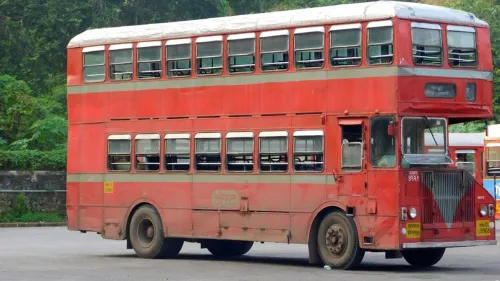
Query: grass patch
pixel 22 213
pixel 31 217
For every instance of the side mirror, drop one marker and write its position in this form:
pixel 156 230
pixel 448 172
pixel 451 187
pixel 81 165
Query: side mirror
pixel 390 129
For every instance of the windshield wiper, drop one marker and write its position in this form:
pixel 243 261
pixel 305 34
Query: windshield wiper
pixel 430 130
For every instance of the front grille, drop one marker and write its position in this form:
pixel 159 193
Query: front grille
pixel 447 197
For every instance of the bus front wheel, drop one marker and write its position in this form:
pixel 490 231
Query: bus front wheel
pixel 147 236
pixel 338 242
pixel 423 257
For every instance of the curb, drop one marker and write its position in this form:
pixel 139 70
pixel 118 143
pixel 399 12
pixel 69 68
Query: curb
pixel 32 224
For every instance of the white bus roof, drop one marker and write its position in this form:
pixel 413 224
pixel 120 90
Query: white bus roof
pixel 346 13
pixel 457 139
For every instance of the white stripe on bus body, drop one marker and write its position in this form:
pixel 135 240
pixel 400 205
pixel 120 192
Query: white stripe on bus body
pixel 313 75
pixel 204 178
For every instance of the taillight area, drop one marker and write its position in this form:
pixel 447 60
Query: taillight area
pixel 487 210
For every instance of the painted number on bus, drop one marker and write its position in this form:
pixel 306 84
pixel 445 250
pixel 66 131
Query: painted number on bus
pixel 413 176
pixel 108 187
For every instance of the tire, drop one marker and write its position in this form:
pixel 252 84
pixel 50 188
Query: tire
pixel 229 248
pixel 423 257
pixel 338 242
pixel 147 236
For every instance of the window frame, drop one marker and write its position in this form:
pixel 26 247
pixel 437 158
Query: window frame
pixel 339 27
pixel 274 134
pixel 241 136
pixel 115 137
pixel 205 136
pixel 140 137
pixel 379 24
pixel 270 34
pixel 94 49
pixel 121 47
pixel 305 30
pixel 309 133
pixel 236 37
pixel 464 29
pixel 146 45
pixel 177 136
pixel 179 42
pixel 209 39
pixel 427 26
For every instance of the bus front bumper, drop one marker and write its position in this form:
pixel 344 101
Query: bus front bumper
pixel 455 244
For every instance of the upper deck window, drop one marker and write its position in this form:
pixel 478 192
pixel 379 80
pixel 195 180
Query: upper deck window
pixel 120 62
pixel 345 45
pixel 147 152
pixel 208 152
pixel 309 43
pixel 119 149
pixel 241 52
pixel 94 66
pixel 209 55
pixel 274 46
pixel 177 152
pixel 308 151
pixel 273 151
pixel 179 57
pixel 462 50
pixel 380 47
pixel 427 44
pixel 149 60
pixel 239 153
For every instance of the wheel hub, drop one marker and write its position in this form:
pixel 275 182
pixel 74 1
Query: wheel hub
pixel 146 232
pixel 336 240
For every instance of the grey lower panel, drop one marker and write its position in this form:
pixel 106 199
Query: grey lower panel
pixel 420 245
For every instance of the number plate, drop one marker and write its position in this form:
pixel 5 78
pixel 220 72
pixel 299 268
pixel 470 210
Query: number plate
pixel 483 228
pixel 108 187
pixel 413 230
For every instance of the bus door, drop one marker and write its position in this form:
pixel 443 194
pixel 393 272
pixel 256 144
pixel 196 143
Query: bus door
pixel 352 167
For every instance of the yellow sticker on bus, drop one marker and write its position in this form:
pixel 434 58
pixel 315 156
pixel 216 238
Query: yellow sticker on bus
pixel 413 230
pixel 483 228
pixel 108 187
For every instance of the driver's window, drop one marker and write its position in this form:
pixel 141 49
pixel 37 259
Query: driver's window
pixel 465 160
pixel 382 142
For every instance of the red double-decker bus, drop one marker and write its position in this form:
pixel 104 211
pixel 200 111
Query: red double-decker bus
pixel 303 126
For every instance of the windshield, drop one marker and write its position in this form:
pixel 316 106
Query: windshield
pixel 424 141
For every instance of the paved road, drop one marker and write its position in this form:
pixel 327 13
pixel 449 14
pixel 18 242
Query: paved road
pixel 56 254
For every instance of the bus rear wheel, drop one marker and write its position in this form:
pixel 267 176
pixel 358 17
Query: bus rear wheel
pixel 147 236
pixel 229 248
pixel 338 242
pixel 423 257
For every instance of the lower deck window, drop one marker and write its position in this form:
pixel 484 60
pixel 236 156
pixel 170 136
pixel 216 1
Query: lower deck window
pixel 177 152
pixel 273 152
pixel 239 153
pixel 352 147
pixel 119 149
pixel 208 152
pixel 308 151
pixel 147 152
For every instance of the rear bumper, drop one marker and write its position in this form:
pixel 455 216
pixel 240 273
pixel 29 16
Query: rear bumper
pixel 455 244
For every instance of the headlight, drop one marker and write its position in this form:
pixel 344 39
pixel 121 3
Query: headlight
pixel 483 211
pixel 413 213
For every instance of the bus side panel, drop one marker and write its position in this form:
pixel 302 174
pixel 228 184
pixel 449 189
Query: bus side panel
pixel 90 213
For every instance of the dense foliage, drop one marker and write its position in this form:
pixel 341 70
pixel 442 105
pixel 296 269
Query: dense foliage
pixel 33 39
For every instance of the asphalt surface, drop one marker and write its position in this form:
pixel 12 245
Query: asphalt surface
pixel 57 254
